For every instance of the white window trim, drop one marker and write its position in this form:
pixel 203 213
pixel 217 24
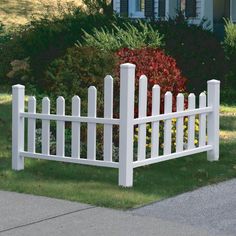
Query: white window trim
pixel 133 13
pixel 232 13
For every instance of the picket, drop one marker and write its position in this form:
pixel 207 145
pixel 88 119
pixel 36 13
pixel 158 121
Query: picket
pixel 155 125
pixel 75 128
pixel 108 113
pixel 180 124
pixel 142 113
pixel 191 122
pixel 202 121
pixel 31 124
pixel 167 124
pixel 91 131
pixel 60 128
pixel 208 118
pixel 46 127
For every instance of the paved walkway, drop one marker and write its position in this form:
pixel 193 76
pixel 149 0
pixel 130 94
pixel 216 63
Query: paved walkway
pixel 189 214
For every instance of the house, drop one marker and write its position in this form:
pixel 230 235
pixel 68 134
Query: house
pixel 194 10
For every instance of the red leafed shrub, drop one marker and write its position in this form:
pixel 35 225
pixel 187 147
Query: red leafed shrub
pixel 159 68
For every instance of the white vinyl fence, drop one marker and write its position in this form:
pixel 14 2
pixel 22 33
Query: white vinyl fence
pixel 208 113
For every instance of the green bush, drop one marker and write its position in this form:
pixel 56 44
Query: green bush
pixel 4 36
pixel 230 38
pixel 46 39
pixel 197 52
pixel 228 93
pixel 230 50
pixel 129 35
pixel 74 73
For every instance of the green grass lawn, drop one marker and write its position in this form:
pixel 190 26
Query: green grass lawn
pixel 98 186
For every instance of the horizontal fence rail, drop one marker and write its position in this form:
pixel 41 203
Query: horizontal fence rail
pixel 144 140
pixel 173 115
pixel 71 118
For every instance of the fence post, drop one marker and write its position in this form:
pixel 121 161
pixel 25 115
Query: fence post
pixel 18 106
pixel 213 130
pixel 127 88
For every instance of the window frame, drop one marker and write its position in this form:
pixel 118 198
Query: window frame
pixel 132 11
pixel 184 9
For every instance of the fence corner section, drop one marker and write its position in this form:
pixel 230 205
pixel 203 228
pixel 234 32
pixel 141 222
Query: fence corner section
pixel 127 90
pixel 18 96
pixel 213 129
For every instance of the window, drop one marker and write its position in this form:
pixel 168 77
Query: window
pixel 189 7
pixel 162 8
pixel 137 8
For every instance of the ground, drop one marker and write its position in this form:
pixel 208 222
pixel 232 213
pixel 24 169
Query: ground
pixel 95 185
pixel 16 12
pixel 98 186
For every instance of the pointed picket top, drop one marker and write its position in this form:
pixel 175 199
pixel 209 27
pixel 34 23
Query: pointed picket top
pixel 76 99
pixel 202 94
pixel 191 95
pixel 108 79
pixel 156 89
pixel 142 96
pixel 92 91
pixel 32 104
pixel 180 96
pixel 191 101
pixel 46 105
pixel 92 100
pixel 108 96
pixel 180 102
pixel 60 99
pixel 60 105
pixel 156 86
pixel 202 98
pixel 46 99
pixel 76 105
pixel 143 78
pixel 168 94
pixel 92 88
pixel 32 99
pixel 168 102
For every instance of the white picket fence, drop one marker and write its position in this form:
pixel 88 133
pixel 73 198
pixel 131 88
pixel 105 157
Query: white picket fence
pixel 208 113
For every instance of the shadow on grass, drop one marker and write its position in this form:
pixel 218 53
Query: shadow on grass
pixel 98 186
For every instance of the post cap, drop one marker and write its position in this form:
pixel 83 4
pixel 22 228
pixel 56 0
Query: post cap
pixel 127 66
pixel 213 81
pixel 18 86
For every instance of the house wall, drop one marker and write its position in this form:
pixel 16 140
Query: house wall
pixel 199 8
pixel 173 4
pixel 116 5
pixel 233 11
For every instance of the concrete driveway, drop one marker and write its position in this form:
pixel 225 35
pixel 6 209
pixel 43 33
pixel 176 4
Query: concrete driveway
pixel 212 208
pixel 187 214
